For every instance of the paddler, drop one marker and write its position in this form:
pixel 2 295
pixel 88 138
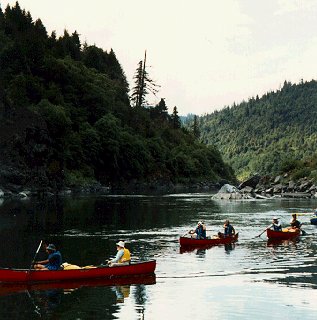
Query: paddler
pixel 53 261
pixel 123 256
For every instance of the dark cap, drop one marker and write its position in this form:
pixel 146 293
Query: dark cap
pixel 51 247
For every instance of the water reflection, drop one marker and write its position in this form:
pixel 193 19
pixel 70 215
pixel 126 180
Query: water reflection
pixel 229 247
pixel 122 292
pixel 201 250
pixel 213 278
pixel 44 299
pixel 45 302
pixel 278 242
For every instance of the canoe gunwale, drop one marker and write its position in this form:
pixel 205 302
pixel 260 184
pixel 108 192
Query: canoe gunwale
pixel 10 275
pixel 283 235
pixel 184 241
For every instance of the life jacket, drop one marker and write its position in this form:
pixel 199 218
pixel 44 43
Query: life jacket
pixel 126 256
pixel 201 233
pixel 277 227
pixel 228 230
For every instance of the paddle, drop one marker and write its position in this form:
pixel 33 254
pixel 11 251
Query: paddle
pixel 263 231
pixel 37 308
pixel 304 233
pixel 188 232
pixel 36 253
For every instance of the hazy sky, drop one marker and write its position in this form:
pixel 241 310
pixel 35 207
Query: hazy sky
pixel 205 54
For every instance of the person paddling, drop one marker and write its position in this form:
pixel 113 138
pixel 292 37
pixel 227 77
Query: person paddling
pixel 276 225
pixel 295 224
pixel 53 262
pixel 200 231
pixel 123 256
pixel 228 229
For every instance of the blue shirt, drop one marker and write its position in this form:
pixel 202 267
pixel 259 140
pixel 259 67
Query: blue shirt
pixel 228 230
pixel 201 233
pixel 54 261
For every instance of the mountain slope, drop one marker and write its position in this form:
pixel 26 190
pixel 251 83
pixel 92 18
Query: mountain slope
pixel 260 135
pixel 66 118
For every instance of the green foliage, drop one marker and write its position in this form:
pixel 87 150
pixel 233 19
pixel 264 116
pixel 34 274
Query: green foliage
pixel 55 116
pixel 77 178
pixel 261 135
pixel 79 126
pixel 301 173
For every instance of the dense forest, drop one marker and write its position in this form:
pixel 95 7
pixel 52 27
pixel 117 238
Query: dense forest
pixel 274 134
pixel 66 118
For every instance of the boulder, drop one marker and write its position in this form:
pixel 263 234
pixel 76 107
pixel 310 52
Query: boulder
pixel 278 188
pixel 277 179
pixel 251 182
pixel 291 185
pixel 247 189
pixel 228 188
pixel 229 192
pixel 22 195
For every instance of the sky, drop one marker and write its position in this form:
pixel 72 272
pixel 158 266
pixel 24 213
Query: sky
pixel 205 54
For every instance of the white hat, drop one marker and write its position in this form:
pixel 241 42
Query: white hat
pixel 120 244
pixel 199 223
pixel 275 218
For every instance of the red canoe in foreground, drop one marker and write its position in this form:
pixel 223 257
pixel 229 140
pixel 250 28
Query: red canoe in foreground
pixel 283 235
pixel 185 241
pixel 36 276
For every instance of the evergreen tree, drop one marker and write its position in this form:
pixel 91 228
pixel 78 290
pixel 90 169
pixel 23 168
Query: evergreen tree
pixel 68 109
pixel 196 130
pixel 160 111
pixel 143 84
pixel 176 123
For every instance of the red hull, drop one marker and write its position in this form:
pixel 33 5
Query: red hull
pixel 207 242
pixel 12 288
pixel 34 276
pixel 283 235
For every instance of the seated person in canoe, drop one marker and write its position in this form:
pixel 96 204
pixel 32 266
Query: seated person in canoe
pixel 123 256
pixel 276 225
pixel 199 232
pixel 295 224
pixel 228 231
pixel 53 261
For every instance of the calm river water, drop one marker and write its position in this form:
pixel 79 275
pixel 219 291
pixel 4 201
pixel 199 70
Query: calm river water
pixel 252 279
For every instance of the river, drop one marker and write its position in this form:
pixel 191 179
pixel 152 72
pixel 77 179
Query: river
pixel 251 279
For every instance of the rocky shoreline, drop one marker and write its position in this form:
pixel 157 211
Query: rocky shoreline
pixel 8 191
pixel 256 187
pixel 266 187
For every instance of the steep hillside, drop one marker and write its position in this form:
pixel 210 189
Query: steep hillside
pixel 267 134
pixel 66 118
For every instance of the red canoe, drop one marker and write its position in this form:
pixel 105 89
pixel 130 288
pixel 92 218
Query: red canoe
pixel 283 235
pixel 184 241
pixel 36 276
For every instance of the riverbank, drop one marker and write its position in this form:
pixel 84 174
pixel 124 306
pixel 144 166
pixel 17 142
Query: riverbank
pixel 265 187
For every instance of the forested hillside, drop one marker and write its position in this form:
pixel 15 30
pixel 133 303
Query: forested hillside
pixel 66 118
pixel 267 135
